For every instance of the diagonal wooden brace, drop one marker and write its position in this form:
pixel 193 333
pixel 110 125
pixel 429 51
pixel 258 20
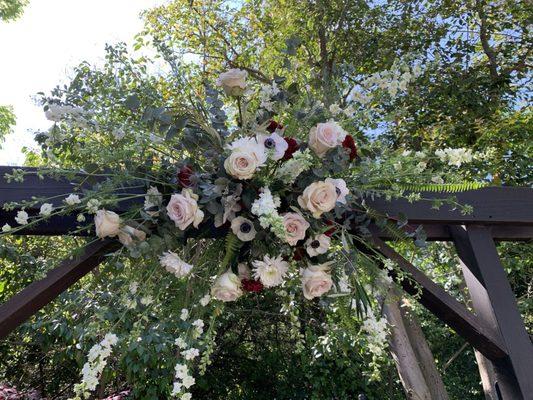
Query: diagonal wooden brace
pixel 38 294
pixel 445 307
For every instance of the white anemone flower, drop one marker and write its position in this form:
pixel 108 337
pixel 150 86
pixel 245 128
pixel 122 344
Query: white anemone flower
pixel 243 228
pixel 317 245
pixel 270 271
pixel 341 189
pixel 274 144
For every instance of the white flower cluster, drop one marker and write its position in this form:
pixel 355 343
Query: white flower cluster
pixel 266 94
pixel 265 207
pixel 455 157
pixel 56 113
pixel 377 333
pixel 183 380
pixel 291 169
pixel 96 362
pixel 394 81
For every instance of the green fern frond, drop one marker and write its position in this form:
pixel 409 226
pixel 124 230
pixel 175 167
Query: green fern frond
pixel 443 188
pixel 233 245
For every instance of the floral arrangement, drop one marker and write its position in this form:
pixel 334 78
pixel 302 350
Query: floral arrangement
pixel 265 191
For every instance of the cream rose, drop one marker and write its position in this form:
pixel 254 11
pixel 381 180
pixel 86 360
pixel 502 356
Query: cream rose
pixel 227 287
pixel 241 164
pixel 325 136
pixel 183 209
pixel 295 227
pixel 316 280
pixel 233 81
pixel 107 223
pixel 318 198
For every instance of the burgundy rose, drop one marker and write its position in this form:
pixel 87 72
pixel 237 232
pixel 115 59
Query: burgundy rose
pixel 293 147
pixel 273 125
pixel 331 231
pixel 250 285
pixel 184 176
pixel 349 143
pixel 299 254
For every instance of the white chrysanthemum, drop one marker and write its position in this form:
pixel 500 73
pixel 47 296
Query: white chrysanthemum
pixel 22 218
pixel 174 264
pixel 274 144
pixel 317 245
pixel 270 271
pixel 72 199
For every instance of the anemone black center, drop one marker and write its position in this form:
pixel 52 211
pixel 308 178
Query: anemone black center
pixel 269 143
pixel 315 244
pixel 338 191
pixel 246 227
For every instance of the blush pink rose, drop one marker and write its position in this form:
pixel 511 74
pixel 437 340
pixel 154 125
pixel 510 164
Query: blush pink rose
pixel 318 198
pixel 316 280
pixel 183 209
pixel 326 136
pixel 295 227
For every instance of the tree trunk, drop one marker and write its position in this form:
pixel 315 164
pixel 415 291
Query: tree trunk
pixel 413 380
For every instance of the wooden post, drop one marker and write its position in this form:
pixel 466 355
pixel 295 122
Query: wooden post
pixel 494 303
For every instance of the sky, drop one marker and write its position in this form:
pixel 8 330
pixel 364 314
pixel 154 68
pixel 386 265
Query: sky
pixel 40 49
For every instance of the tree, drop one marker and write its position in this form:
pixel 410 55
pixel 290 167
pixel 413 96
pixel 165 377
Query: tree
pixel 7 120
pixel 11 9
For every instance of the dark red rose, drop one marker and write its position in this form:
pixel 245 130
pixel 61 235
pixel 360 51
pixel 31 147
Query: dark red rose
pixel 331 231
pixel 250 285
pixel 273 125
pixel 293 147
pixel 184 176
pixel 349 143
pixel 299 254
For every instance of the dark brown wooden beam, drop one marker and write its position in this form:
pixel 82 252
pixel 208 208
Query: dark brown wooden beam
pixel 38 294
pixel 494 303
pixel 445 307
pixel 492 205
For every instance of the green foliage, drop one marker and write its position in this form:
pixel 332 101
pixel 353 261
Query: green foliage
pixel 443 188
pixel 7 120
pixel 11 9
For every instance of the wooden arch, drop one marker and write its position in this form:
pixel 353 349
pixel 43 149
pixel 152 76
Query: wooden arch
pixel 494 326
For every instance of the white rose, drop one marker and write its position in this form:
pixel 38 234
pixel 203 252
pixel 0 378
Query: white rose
pixel 233 81
pixel 227 287
pixel 325 136
pixel 316 280
pixel 317 245
pixel 183 209
pixel 243 228
pixel 295 227
pixel 107 223
pixel 340 188
pixel 319 197
pixel 175 265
